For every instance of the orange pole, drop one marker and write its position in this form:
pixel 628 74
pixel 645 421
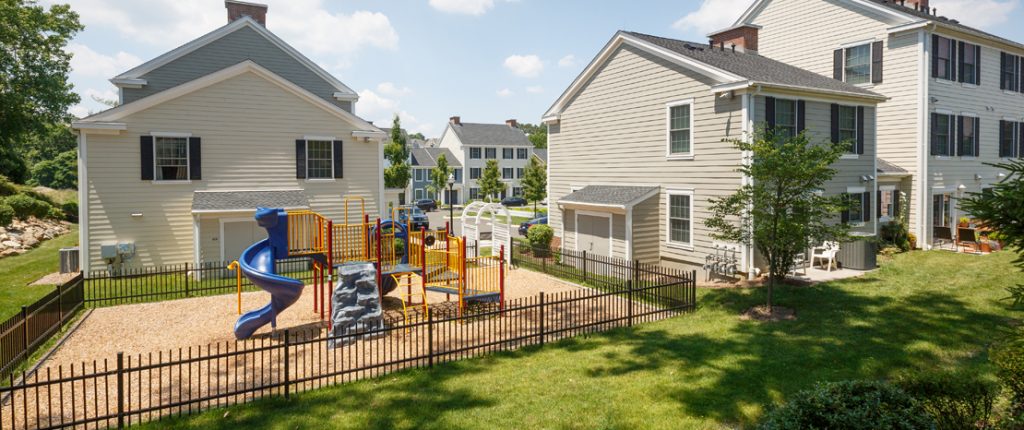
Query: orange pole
pixel 330 267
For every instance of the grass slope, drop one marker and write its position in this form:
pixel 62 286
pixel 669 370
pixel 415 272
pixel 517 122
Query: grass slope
pixel 703 370
pixel 17 271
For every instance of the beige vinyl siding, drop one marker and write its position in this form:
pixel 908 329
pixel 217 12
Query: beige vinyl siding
pixel 248 128
pixel 990 104
pixel 806 33
pixel 614 133
pixel 646 230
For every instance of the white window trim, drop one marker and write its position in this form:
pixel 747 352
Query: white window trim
pixel 668 130
pixel 188 159
pixel 796 111
pixel 576 227
pixel 331 145
pixel 952 79
pixel 856 130
pixel 686 246
pixel 977 136
pixel 470 155
pixel 858 191
pixel 871 61
pixel 952 136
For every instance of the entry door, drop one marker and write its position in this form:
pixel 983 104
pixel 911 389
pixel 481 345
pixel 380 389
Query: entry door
pixel 239 235
pixel 592 234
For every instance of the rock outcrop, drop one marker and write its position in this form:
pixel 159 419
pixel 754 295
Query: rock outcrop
pixel 23 235
pixel 356 303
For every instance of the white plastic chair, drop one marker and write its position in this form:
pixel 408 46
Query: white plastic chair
pixel 826 253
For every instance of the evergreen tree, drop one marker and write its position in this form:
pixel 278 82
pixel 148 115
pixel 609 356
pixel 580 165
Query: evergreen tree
pixel 535 183
pixel 439 176
pixel 490 181
pixel 397 175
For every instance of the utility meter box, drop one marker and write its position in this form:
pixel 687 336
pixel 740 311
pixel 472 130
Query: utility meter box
pixel 108 251
pixel 126 249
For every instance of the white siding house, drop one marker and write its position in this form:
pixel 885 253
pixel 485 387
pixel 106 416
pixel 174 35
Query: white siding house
pixel 474 144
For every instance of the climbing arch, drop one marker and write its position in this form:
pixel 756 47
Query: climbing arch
pixel 501 234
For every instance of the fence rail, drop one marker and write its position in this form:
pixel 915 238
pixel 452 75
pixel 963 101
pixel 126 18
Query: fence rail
pixel 24 333
pixel 127 389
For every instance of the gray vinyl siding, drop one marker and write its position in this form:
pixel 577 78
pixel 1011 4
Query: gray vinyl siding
pixel 805 33
pixel 236 47
pixel 614 132
pixel 646 237
pixel 242 149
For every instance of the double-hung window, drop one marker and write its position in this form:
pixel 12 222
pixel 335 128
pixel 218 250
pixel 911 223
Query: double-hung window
pixel 474 153
pixel 970 60
pixel 680 218
pixel 519 173
pixel 785 118
pixel 848 126
pixel 171 158
pixel 517 191
pixel 491 153
pixel 319 159
pixel 680 129
pixel 474 173
pixel 857 66
pixel 507 153
pixel 1008 139
pixel 942 63
pixel 1009 72
pixel 418 175
pixel 942 210
pixel 856 208
pixel 942 134
pixel 507 173
pixel 522 153
pixel 967 145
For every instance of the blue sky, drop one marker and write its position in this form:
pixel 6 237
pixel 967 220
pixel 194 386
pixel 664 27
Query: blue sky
pixel 485 60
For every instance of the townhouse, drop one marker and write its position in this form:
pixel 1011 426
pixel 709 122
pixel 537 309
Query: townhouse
pixel 474 144
pixel 422 161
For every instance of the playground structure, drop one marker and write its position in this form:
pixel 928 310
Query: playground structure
pixel 501 234
pixel 398 253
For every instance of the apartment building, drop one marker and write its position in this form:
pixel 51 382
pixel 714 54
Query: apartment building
pixel 474 144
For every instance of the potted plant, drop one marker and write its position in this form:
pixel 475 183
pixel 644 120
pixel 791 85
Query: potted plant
pixel 964 222
pixel 996 239
pixel 984 245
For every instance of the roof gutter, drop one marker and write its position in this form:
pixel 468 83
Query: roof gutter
pixel 742 85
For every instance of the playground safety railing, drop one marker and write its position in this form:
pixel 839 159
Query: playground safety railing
pixel 308 233
pixel 351 242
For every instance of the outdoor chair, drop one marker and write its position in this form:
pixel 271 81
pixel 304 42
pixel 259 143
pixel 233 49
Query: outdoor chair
pixel 967 237
pixel 942 236
pixel 826 253
pixel 799 264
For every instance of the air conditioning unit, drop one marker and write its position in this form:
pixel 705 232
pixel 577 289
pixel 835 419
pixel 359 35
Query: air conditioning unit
pixel 69 260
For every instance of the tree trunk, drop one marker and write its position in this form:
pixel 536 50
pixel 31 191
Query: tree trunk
pixel 771 289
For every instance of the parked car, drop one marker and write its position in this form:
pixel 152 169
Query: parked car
pixel 513 201
pixel 419 218
pixel 524 227
pixel 426 205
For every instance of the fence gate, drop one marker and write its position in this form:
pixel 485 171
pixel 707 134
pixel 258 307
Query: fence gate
pixel 500 219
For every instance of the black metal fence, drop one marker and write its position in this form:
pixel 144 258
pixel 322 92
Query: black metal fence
pixel 22 334
pixel 129 389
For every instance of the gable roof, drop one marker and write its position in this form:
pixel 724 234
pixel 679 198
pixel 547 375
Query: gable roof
pixel 609 195
pixel 541 154
pixel 109 117
pixel 134 76
pixel 886 168
pixel 427 157
pixel 490 134
pixel 734 70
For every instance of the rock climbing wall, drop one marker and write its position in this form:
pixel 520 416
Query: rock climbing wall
pixel 356 302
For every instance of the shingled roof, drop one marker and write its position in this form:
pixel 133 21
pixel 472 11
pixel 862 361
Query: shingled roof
pixel 609 195
pixel 910 10
pixel 490 134
pixel 756 68
pixel 233 201
pixel 427 157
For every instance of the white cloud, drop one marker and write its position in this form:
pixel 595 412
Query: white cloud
pixel 712 15
pixel 525 66
pixel 87 63
pixel 505 92
pixel 466 7
pixel 567 61
pixel 371 104
pixel 392 90
pixel 535 89
pixel 380 110
pixel 983 14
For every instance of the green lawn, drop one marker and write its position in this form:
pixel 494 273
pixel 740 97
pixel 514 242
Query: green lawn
pixel 16 272
pixel 703 370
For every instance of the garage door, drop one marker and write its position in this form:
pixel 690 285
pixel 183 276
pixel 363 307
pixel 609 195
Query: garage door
pixel 592 234
pixel 239 235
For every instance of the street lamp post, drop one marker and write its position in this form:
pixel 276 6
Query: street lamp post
pixel 451 204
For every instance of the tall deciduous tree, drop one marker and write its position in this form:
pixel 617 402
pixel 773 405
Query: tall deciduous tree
pixel 439 176
pixel 535 183
pixel 34 88
pixel 490 181
pixel 397 174
pixel 538 134
pixel 781 210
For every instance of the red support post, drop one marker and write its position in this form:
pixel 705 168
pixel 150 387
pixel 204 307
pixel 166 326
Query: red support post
pixel 501 278
pixel 329 286
pixel 316 284
pixel 380 263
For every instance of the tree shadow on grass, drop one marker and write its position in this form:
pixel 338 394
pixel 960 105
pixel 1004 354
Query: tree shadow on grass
pixel 837 335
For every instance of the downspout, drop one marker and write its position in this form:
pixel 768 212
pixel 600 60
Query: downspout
pixel 748 133
pixel 924 121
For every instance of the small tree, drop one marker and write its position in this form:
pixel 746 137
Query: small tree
pixel 439 177
pixel 535 183
pixel 780 210
pixel 397 175
pixel 490 180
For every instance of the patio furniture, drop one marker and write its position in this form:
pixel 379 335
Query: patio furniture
pixel 799 263
pixel 942 236
pixel 825 253
pixel 967 237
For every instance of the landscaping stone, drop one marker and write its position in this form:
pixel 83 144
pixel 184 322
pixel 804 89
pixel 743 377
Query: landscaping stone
pixel 356 303
pixel 23 235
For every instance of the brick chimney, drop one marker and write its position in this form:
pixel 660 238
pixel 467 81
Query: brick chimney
pixel 921 5
pixel 512 123
pixel 744 37
pixel 455 120
pixel 238 9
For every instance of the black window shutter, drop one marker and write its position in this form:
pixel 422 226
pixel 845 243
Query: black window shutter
pixel 300 159
pixel 933 142
pixel 339 157
pixel 977 137
pixel 1002 138
pixel 935 56
pixel 835 122
pixel 878 204
pixel 959 136
pixel 860 129
pixel 1020 140
pixel 1019 85
pixel 876 62
pixel 801 116
pixel 952 60
pixel 844 217
pixel 896 203
pixel 960 63
pixel 866 206
pixel 977 64
pixel 146 159
pixel 769 112
pixel 837 65
pixel 1002 70
pixel 195 159
pixel 952 141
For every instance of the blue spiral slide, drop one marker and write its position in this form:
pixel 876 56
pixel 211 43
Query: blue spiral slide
pixel 257 264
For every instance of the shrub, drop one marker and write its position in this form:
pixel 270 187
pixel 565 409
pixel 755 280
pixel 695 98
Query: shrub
pixel 7 187
pixel 55 213
pixel 849 405
pixel 540 236
pixel 1009 361
pixel 61 172
pixel 912 240
pixel 70 209
pixel 43 197
pixel 956 400
pixel 6 214
pixel 26 206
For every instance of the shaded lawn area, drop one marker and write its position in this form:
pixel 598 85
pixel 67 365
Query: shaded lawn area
pixel 17 271
pixel 702 370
